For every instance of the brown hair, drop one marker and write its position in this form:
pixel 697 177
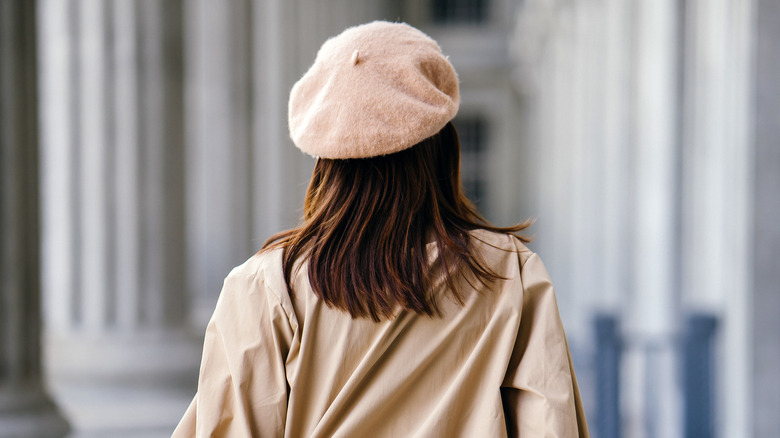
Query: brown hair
pixel 366 226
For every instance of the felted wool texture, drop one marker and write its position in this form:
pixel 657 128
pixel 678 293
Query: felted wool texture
pixel 374 89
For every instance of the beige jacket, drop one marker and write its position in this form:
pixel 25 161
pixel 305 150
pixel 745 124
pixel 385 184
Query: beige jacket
pixel 280 367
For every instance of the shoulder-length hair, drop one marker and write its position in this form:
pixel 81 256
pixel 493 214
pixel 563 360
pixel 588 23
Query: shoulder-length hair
pixel 367 224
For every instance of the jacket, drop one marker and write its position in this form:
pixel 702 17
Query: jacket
pixel 280 366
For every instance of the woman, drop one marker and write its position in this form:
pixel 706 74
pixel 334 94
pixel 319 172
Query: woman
pixel 394 309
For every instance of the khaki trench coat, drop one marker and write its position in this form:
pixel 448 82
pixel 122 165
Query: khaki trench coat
pixel 276 366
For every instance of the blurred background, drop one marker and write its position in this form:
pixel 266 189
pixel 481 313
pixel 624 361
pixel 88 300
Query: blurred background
pixel 145 153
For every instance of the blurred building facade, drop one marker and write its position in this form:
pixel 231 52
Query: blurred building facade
pixel 653 133
pixel 640 134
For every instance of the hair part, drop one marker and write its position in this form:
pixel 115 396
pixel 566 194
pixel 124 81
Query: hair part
pixel 367 224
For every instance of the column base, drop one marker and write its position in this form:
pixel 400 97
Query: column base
pixel 123 385
pixel 152 358
pixel 30 413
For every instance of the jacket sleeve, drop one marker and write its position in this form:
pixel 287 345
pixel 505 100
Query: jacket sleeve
pixel 242 385
pixel 540 393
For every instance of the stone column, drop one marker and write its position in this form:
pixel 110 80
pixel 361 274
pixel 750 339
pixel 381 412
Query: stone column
pixel 114 180
pixel 651 324
pixel 26 409
pixel 218 95
pixel 717 188
pixel 586 175
pixel 113 208
pixel 616 157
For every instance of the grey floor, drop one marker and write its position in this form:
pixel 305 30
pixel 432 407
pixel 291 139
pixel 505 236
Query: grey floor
pixel 121 411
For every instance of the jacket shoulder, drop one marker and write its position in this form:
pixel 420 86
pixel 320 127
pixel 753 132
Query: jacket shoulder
pixel 264 267
pixel 492 241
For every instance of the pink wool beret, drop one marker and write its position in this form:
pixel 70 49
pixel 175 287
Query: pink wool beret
pixel 374 89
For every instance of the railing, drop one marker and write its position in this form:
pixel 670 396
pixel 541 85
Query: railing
pixel 696 358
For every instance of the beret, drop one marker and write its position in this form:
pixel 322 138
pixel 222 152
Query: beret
pixel 374 89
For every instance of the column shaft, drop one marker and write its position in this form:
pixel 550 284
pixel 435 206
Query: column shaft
pixel 114 206
pixel 652 318
pixel 25 408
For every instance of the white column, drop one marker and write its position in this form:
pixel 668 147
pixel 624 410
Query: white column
pixel 25 406
pixel 59 170
pixel 118 191
pixel 219 145
pixel 556 160
pixel 717 189
pixel 127 163
pixel 113 209
pixel 652 319
pixel 93 183
pixel 616 157
pixel 736 403
pixel 587 169
pixel 547 47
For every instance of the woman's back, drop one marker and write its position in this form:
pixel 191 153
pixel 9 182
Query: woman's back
pixel 291 366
